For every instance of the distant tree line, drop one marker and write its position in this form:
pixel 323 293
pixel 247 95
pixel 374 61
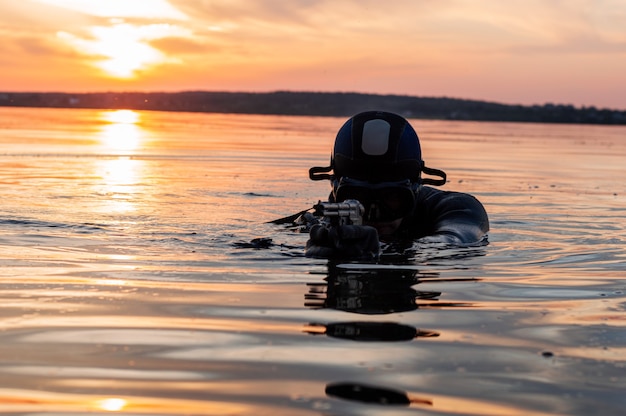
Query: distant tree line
pixel 318 104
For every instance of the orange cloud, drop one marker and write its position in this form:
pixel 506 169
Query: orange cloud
pixel 146 9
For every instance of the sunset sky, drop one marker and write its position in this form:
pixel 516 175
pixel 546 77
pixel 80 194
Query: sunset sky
pixel 518 52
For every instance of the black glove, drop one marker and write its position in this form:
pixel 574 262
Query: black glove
pixel 345 241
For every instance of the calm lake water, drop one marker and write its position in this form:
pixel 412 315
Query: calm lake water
pixel 130 284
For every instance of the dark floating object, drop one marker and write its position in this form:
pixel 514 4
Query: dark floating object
pixel 370 331
pixel 371 394
pixel 258 243
pixel 547 354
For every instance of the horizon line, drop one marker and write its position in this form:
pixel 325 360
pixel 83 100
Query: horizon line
pixel 182 91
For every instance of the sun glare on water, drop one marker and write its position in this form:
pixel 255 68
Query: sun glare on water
pixel 111 404
pixel 121 116
pixel 120 134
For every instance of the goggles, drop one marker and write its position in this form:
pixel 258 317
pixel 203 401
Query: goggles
pixel 383 202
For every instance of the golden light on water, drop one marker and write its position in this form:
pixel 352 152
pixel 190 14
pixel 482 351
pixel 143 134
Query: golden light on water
pixel 121 133
pixel 120 178
pixel 112 404
pixel 121 137
pixel 120 172
pixel 121 116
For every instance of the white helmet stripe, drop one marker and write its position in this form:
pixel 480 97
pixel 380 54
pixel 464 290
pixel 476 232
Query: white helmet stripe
pixel 375 140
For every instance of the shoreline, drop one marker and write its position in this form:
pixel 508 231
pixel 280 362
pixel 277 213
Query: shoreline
pixel 328 104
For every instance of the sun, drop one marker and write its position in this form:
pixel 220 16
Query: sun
pixel 120 50
pixel 124 51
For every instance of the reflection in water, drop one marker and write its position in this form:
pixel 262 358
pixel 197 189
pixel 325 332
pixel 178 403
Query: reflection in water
pixel 373 291
pixel 370 331
pixel 121 116
pixel 120 137
pixel 372 394
pixel 120 179
pixel 112 404
pixel 121 134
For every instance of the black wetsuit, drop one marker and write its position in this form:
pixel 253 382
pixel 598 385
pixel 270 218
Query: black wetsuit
pixel 453 217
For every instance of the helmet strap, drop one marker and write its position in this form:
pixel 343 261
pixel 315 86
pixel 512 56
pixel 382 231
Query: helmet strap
pixel 318 173
pixel 435 172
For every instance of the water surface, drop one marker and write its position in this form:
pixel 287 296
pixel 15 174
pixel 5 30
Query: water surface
pixel 130 282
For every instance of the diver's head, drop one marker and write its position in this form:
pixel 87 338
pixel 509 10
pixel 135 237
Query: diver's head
pixel 377 160
pixel 377 147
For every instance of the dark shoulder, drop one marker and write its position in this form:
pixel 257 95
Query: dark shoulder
pixel 437 199
pixel 439 211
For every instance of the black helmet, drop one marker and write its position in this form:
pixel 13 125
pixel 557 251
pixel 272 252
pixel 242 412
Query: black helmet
pixel 377 147
pixel 376 152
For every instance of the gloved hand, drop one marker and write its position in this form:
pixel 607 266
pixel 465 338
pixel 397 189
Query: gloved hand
pixel 344 241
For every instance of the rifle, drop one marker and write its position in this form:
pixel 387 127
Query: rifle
pixel 348 212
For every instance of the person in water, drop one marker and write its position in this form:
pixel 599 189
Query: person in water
pixel 377 160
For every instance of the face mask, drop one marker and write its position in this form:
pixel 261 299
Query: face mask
pixel 383 202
